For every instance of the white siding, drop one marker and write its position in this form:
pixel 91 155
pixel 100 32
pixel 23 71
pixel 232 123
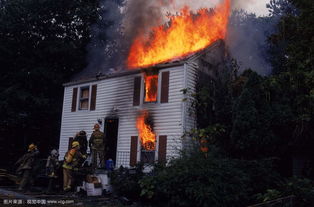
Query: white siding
pixel 118 92
pixel 189 117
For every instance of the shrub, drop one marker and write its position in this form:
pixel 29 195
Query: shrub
pixel 126 181
pixel 301 188
pixel 199 180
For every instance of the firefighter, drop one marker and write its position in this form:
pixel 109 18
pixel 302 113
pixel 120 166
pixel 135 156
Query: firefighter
pixel 97 146
pixel 52 167
pixel 27 165
pixel 81 138
pixel 71 162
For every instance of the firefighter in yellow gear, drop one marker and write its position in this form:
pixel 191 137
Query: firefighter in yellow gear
pixel 71 163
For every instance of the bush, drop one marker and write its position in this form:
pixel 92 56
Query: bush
pixel 301 188
pixel 199 180
pixel 126 181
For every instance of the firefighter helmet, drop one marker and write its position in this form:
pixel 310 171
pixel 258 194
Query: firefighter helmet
pixel 96 126
pixel 32 147
pixel 75 144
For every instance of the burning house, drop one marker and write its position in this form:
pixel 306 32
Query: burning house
pixel 142 110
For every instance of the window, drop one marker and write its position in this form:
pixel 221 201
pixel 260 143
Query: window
pixel 147 156
pixel 150 88
pixel 84 98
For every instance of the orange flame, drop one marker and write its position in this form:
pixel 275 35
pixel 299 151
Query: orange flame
pixel 151 85
pixel 147 136
pixel 186 34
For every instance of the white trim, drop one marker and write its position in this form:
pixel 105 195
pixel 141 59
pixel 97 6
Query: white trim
pixel 62 119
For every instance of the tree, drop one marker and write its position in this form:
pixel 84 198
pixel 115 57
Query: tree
pixel 42 43
pixel 252 136
pixel 294 70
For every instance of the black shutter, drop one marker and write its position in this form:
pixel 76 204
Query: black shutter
pixel 164 87
pixel 133 151
pixel 93 98
pixel 162 149
pixel 137 91
pixel 74 100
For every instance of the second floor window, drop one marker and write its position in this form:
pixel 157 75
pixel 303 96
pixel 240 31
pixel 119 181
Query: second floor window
pixel 84 98
pixel 150 88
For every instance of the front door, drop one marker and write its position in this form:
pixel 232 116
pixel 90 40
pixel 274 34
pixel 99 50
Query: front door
pixel 111 132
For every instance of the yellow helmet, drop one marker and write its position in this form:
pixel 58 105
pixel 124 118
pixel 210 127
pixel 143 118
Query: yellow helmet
pixel 31 147
pixel 75 144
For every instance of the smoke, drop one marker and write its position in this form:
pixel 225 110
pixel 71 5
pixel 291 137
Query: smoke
pixel 247 40
pixel 105 49
pixel 141 15
pixel 248 34
pixel 120 21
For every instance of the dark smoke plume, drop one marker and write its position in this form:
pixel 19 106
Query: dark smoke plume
pixel 105 49
pixel 122 20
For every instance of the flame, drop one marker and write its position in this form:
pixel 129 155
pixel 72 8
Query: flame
pixel 186 34
pixel 147 136
pixel 151 85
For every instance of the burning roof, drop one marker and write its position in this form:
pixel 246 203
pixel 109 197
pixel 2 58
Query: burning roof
pixel 89 75
pixel 185 34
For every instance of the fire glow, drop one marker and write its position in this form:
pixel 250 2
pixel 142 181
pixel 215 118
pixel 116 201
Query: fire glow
pixel 185 34
pixel 146 134
pixel 151 86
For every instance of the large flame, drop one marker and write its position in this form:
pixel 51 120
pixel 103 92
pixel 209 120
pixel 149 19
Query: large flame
pixel 151 85
pixel 146 134
pixel 186 34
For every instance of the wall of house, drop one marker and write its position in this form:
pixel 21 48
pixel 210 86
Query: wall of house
pixel 115 98
pixel 200 70
pixel 189 117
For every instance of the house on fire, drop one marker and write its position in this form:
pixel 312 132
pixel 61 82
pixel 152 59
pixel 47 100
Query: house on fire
pixel 117 100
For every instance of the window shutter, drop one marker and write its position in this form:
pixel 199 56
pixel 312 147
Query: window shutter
pixel 162 149
pixel 133 151
pixel 93 98
pixel 164 87
pixel 137 91
pixel 74 100
pixel 70 143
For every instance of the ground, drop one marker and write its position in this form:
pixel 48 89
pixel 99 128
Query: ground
pixel 9 195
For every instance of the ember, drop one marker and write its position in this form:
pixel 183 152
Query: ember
pixel 145 130
pixel 186 33
pixel 151 86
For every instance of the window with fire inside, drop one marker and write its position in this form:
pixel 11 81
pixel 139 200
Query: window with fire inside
pixel 150 88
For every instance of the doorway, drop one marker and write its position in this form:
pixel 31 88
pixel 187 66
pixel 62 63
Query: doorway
pixel 111 132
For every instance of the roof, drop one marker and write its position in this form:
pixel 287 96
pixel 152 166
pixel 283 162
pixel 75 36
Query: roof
pixel 88 76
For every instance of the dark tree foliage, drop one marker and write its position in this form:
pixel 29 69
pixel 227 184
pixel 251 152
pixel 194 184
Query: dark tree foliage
pixel 42 43
pixel 251 135
pixel 269 116
pixel 294 76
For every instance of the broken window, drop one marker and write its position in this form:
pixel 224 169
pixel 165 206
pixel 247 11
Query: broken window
pixel 147 156
pixel 84 98
pixel 150 87
pixel 144 125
